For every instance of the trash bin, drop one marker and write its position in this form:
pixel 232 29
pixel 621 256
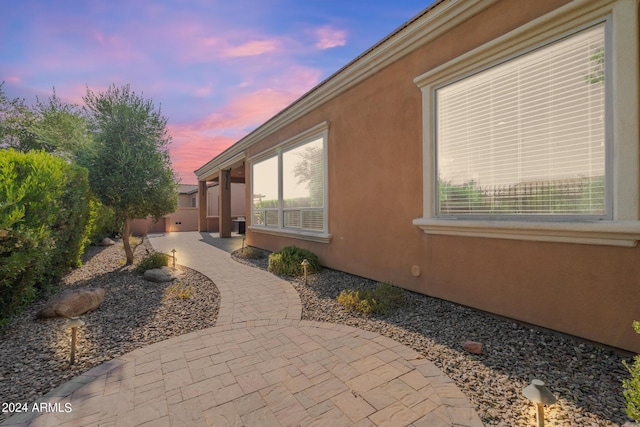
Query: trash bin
pixel 241 225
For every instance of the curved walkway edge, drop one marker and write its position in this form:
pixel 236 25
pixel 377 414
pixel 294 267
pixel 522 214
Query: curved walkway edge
pixel 260 366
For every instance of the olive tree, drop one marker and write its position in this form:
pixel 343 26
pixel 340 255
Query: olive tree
pixel 130 169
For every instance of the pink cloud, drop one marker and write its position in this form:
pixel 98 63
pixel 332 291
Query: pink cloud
pixel 197 142
pixel 193 146
pixel 328 37
pixel 251 48
pixel 12 79
pixel 249 109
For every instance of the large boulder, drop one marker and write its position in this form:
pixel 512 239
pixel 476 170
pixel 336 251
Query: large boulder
pixel 162 274
pixel 72 303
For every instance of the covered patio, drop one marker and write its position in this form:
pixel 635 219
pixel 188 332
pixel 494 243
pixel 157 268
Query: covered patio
pixel 223 172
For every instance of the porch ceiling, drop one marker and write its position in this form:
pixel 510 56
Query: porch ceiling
pixel 237 173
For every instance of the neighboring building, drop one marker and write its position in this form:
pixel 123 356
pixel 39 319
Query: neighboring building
pixel 185 218
pixel 486 153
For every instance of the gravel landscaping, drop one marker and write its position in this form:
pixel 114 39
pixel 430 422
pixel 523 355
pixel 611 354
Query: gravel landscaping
pixel 584 377
pixel 34 353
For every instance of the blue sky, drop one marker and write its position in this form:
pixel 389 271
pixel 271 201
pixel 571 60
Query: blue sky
pixel 218 68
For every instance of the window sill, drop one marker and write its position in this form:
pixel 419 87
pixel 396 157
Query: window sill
pixel 609 233
pixel 301 235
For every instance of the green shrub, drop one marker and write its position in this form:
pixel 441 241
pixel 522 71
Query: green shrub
pixel 44 208
pixel 632 386
pixel 288 262
pixel 381 300
pixel 154 260
pixel 102 221
pixel 70 230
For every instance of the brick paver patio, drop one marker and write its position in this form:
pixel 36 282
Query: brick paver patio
pixel 260 366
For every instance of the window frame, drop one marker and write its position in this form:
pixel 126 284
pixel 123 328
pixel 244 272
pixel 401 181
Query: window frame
pixel 607 215
pixel 622 227
pixel 319 131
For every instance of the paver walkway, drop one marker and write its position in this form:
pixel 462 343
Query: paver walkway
pixel 260 366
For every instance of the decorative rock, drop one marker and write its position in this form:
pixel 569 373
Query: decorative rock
pixel 107 242
pixel 73 302
pixel 162 274
pixel 472 347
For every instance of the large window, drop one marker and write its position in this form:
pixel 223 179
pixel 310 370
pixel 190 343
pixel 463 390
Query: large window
pixel 289 187
pixel 534 136
pixel 527 137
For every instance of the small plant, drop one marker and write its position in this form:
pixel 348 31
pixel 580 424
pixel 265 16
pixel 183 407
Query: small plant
pixel 632 386
pixel 178 290
pixel 155 260
pixel 288 262
pixel 249 252
pixel 381 300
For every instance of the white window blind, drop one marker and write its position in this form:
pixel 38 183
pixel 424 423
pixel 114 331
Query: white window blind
pixel 289 188
pixel 303 186
pixel 527 136
pixel 264 177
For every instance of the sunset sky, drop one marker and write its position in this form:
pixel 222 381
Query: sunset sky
pixel 218 68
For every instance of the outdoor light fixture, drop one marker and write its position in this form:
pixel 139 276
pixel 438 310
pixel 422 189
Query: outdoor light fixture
pixel 173 251
pixel 73 323
pixel 539 394
pixel 305 264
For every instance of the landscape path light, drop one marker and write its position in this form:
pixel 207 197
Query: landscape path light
pixel 305 265
pixel 73 323
pixel 173 251
pixel 539 394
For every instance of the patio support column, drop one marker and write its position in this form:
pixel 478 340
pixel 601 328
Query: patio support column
pixel 202 206
pixel 225 203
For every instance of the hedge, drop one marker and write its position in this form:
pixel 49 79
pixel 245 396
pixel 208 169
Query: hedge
pixel 44 208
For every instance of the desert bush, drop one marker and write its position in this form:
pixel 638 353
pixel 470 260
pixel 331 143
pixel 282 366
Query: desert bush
pixel 44 208
pixel 632 385
pixel 154 260
pixel 288 262
pixel 381 300
pixel 249 252
pixel 178 290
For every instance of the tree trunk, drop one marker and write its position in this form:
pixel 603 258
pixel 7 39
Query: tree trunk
pixel 125 240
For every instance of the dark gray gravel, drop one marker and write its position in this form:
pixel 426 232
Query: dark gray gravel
pixel 584 377
pixel 34 354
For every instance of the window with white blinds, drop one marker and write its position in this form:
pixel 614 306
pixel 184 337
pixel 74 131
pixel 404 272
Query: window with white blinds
pixel 289 188
pixel 527 136
pixel 303 186
pixel 264 176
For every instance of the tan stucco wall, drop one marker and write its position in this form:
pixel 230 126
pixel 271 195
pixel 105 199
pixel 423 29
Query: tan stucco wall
pixel 237 200
pixel 142 227
pixel 375 191
pixel 185 200
pixel 184 219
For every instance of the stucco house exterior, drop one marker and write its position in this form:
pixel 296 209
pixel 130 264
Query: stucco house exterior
pixel 486 153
